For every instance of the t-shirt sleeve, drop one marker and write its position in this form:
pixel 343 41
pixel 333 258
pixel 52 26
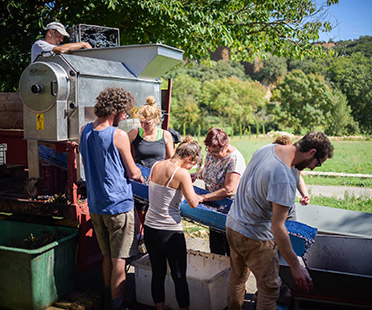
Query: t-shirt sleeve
pixel 237 163
pixel 282 189
pixel 44 47
pixel 40 47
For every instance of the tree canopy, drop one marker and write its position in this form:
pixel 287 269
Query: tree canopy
pixel 307 102
pixel 248 28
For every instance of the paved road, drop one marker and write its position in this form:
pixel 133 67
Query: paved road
pixel 338 191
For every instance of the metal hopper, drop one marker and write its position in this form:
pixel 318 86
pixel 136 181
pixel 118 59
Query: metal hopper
pixel 59 91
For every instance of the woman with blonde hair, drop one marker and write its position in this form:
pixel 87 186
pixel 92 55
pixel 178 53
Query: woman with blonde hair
pixel 169 183
pixel 150 143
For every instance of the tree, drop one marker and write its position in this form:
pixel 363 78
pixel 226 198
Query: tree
pixel 272 70
pixel 233 100
pixel 203 72
pixel 353 76
pixel 306 102
pixel 185 109
pixel 309 65
pixel 247 27
pixel 362 45
pixel 340 122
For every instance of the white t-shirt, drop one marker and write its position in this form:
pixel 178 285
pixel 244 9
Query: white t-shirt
pixel 39 47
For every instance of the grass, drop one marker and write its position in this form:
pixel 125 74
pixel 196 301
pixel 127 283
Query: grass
pixel 350 156
pixel 350 202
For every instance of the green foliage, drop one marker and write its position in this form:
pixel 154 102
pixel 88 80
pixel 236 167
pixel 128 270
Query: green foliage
pixel 273 69
pixel 349 47
pixel 185 108
pixel 306 102
pixel 309 65
pixel 248 28
pixel 353 76
pixel 211 71
pixel 339 121
pixel 233 100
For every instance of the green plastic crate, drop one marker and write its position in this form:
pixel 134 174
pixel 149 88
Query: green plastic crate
pixel 35 279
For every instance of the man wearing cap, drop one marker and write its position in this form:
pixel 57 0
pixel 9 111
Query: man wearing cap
pixel 55 32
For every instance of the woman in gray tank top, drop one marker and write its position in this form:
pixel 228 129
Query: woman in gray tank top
pixel 169 183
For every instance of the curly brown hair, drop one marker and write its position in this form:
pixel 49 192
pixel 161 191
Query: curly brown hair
pixel 283 140
pixel 316 140
pixel 113 100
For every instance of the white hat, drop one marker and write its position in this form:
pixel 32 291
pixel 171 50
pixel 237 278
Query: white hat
pixel 59 27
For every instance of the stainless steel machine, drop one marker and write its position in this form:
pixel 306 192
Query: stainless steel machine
pixel 58 92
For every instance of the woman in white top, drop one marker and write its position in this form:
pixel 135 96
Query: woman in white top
pixel 169 184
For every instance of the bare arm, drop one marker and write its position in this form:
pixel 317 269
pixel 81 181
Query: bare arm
pixel 299 273
pixel 132 134
pixel 121 141
pixel 65 48
pixel 169 148
pixel 303 191
pixel 187 188
pixel 231 185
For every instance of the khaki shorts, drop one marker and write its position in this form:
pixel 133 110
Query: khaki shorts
pixel 116 234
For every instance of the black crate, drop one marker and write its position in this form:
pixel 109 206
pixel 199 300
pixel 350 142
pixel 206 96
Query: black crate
pixel 97 36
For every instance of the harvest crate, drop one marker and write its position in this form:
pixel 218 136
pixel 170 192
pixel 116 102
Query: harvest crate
pixel 35 279
pixel 97 36
pixel 207 277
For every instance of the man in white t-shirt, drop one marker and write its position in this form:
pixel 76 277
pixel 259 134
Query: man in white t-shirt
pixel 55 32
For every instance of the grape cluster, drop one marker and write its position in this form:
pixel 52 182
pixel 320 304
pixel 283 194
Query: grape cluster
pixel 224 209
pixel 99 39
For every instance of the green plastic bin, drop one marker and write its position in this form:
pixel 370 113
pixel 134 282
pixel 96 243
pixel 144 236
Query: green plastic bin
pixel 35 279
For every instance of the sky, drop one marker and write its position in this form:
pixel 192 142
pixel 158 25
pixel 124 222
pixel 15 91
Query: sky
pixel 352 19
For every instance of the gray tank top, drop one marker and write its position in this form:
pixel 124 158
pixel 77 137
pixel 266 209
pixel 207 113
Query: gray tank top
pixel 164 211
